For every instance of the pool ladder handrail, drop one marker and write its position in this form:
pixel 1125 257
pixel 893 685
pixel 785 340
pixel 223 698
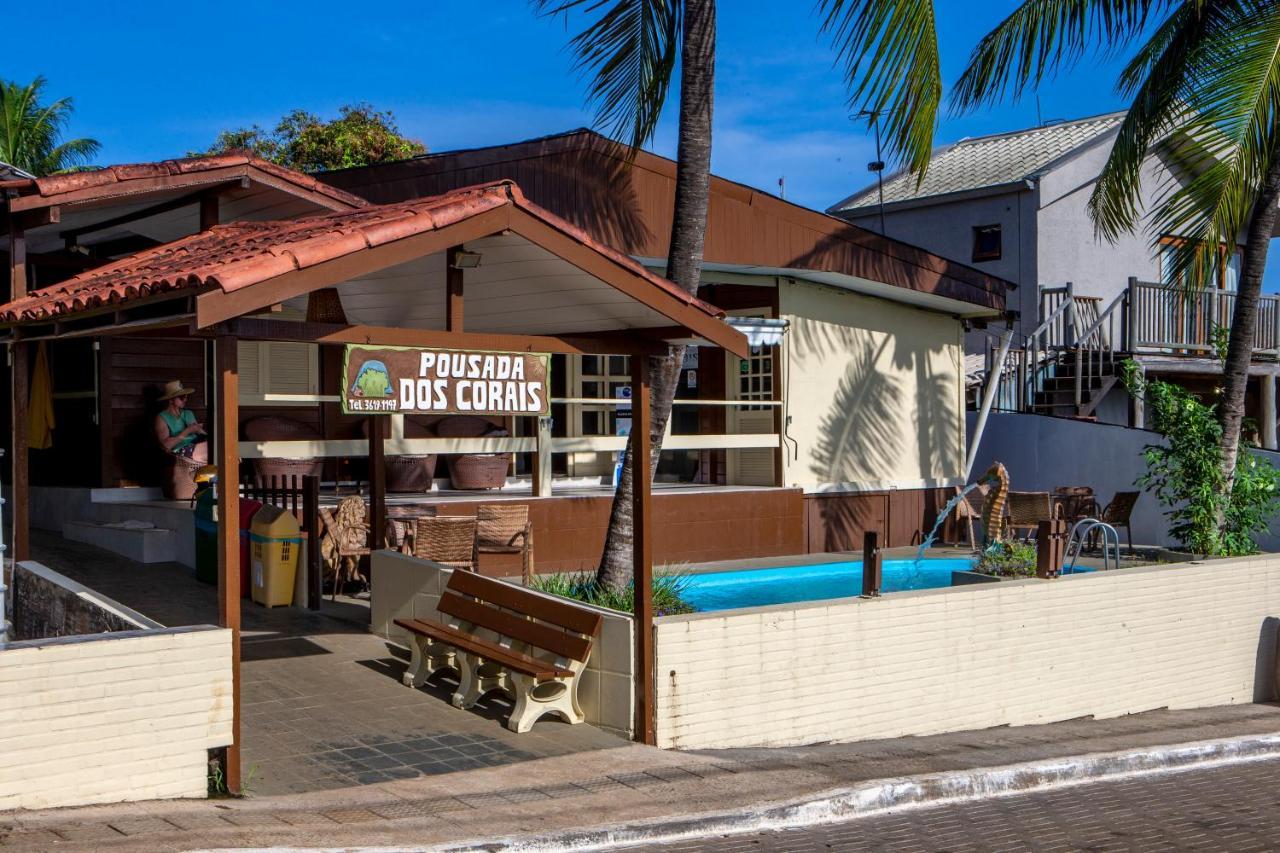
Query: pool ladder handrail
pixel 1080 532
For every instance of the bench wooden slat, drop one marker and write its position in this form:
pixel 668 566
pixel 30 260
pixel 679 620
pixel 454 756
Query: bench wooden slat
pixel 576 619
pixel 537 634
pixel 487 650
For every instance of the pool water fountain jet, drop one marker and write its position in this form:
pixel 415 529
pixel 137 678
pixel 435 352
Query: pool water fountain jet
pixel 992 508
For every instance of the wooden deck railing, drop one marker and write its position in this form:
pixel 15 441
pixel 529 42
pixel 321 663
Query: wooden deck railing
pixel 1162 319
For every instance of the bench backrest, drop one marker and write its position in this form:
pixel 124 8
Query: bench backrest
pixel 540 621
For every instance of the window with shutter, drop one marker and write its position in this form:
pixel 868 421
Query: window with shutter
pixel 269 368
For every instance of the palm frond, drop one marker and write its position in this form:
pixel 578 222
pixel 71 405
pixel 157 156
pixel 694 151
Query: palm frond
pixel 1041 38
pixel 628 49
pixel 1233 122
pixel 888 50
pixel 30 131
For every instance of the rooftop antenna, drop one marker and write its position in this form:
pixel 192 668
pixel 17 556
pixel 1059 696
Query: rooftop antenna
pixel 876 165
pixel 782 187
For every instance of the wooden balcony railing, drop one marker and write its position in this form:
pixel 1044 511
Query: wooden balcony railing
pixel 1162 319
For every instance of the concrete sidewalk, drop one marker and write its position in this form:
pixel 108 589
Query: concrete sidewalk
pixel 626 784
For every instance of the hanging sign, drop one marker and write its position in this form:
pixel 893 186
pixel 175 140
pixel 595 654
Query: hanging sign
pixel 413 381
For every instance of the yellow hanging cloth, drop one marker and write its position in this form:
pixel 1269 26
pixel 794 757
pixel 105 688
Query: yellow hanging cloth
pixel 40 409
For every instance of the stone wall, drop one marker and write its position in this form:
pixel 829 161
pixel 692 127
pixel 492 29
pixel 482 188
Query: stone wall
pixel 46 604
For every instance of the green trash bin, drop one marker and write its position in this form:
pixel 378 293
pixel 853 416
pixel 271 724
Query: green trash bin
pixel 207 537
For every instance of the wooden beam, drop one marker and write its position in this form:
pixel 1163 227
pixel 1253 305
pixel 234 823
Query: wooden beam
pixel 218 306
pixel 19 497
pixel 209 215
pixel 377 482
pixel 202 197
pixel 454 279
pixel 17 259
pixel 137 188
pixel 228 461
pixel 325 333
pixel 642 548
pixel 106 414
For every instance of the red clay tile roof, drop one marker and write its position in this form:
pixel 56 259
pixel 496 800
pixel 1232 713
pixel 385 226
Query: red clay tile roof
pixel 240 254
pixel 114 179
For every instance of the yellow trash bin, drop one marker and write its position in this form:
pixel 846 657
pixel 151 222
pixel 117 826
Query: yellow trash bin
pixel 275 541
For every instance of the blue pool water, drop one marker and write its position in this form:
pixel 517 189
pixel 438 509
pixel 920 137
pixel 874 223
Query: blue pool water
pixel 757 587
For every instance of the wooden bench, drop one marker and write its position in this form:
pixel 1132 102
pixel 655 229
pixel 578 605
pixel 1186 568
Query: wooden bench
pixel 504 637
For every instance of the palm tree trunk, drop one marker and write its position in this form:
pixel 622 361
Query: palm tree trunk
pixel 1244 320
pixel 684 262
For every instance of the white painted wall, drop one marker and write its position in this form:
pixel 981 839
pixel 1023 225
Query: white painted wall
pixel 408 588
pixel 874 391
pixel 112 717
pixel 1012 653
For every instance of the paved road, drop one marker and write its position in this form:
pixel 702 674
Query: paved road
pixel 1234 808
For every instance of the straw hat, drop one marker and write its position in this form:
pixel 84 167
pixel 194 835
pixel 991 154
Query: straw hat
pixel 175 389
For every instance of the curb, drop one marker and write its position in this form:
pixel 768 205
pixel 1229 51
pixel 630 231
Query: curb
pixel 887 795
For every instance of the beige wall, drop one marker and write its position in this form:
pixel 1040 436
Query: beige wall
pixel 112 717
pixel 408 588
pixel 1012 653
pixel 875 392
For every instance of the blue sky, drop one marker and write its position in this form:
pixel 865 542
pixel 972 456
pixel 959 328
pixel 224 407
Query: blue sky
pixel 154 80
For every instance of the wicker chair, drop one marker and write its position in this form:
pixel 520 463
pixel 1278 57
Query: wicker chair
pixel 474 470
pixel 1027 510
pixel 272 428
pixel 1076 502
pixel 505 529
pixel 969 509
pixel 449 540
pixel 409 473
pixel 1119 511
pixel 346 540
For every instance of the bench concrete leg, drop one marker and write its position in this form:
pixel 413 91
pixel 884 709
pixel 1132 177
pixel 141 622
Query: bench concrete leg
pixel 426 659
pixel 476 677
pixel 534 699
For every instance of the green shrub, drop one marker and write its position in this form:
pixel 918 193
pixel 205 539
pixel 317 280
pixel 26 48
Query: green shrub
pixel 1185 473
pixel 1008 560
pixel 668 590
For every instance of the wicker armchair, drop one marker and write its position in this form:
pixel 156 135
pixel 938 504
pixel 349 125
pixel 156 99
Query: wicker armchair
pixel 1076 502
pixel 474 470
pixel 1119 511
pixel 449 540
pixel 346 540
pixel 969 509
pixel 505 529
pixel 1027 510
pixel 272 428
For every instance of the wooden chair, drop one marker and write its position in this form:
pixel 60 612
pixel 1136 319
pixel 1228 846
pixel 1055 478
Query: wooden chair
pixel 969 509
pixel 542 647
pixel 1119 511
pixel 449 540
pixel 1027 510
pixel 346 540
pixel 505 529
pixel 1076 502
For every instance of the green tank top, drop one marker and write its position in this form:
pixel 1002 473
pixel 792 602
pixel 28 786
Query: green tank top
pixel 177 425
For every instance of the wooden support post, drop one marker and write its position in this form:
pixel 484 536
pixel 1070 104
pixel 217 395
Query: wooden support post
pixel 377 482
pixel 642 547
pixel 208 211
pixel 542 460
pixel 17 259
pixel 311 521
pixel 453 290
pixel 19 497
pixel 871 568
pixel 1050 547
pixel 228 456
pixel 1131 316
pixel 1268 404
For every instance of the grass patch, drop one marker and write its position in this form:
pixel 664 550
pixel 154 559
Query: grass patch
pixel 668 591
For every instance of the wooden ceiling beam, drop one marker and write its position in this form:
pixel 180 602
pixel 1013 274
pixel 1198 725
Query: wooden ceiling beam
pixel 71 235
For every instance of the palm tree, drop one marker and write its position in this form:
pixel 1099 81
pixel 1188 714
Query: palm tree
pixel 1204 87
pixel 30 131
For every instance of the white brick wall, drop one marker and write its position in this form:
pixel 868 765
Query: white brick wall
pixel 112 717
pixel 1015 653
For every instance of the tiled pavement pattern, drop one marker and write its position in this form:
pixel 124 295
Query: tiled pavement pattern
pixel 322 702
pixel 1234 808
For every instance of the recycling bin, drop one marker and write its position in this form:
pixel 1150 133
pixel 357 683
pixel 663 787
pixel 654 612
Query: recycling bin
pixel 276 542
pixel 206 524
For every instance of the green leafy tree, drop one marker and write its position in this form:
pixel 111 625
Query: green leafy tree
pixel 31 131
pixel 360 135
pixel 1185 473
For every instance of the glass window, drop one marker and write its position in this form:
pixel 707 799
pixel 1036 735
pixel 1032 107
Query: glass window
pixel 986 243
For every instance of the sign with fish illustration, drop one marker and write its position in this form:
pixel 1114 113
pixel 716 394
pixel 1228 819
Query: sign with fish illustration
pixel 402 380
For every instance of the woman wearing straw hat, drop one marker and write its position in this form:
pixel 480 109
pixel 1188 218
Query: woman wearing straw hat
pixel 176 425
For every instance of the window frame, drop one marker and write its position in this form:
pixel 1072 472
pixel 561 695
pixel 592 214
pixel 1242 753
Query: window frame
pixel 991 255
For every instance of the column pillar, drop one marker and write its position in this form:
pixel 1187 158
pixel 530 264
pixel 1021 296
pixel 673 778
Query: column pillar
pixel 19 497
pixel 377 483
pixel 1269 411
pixel 1139 405
pixel 227 433
pixel 642 545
